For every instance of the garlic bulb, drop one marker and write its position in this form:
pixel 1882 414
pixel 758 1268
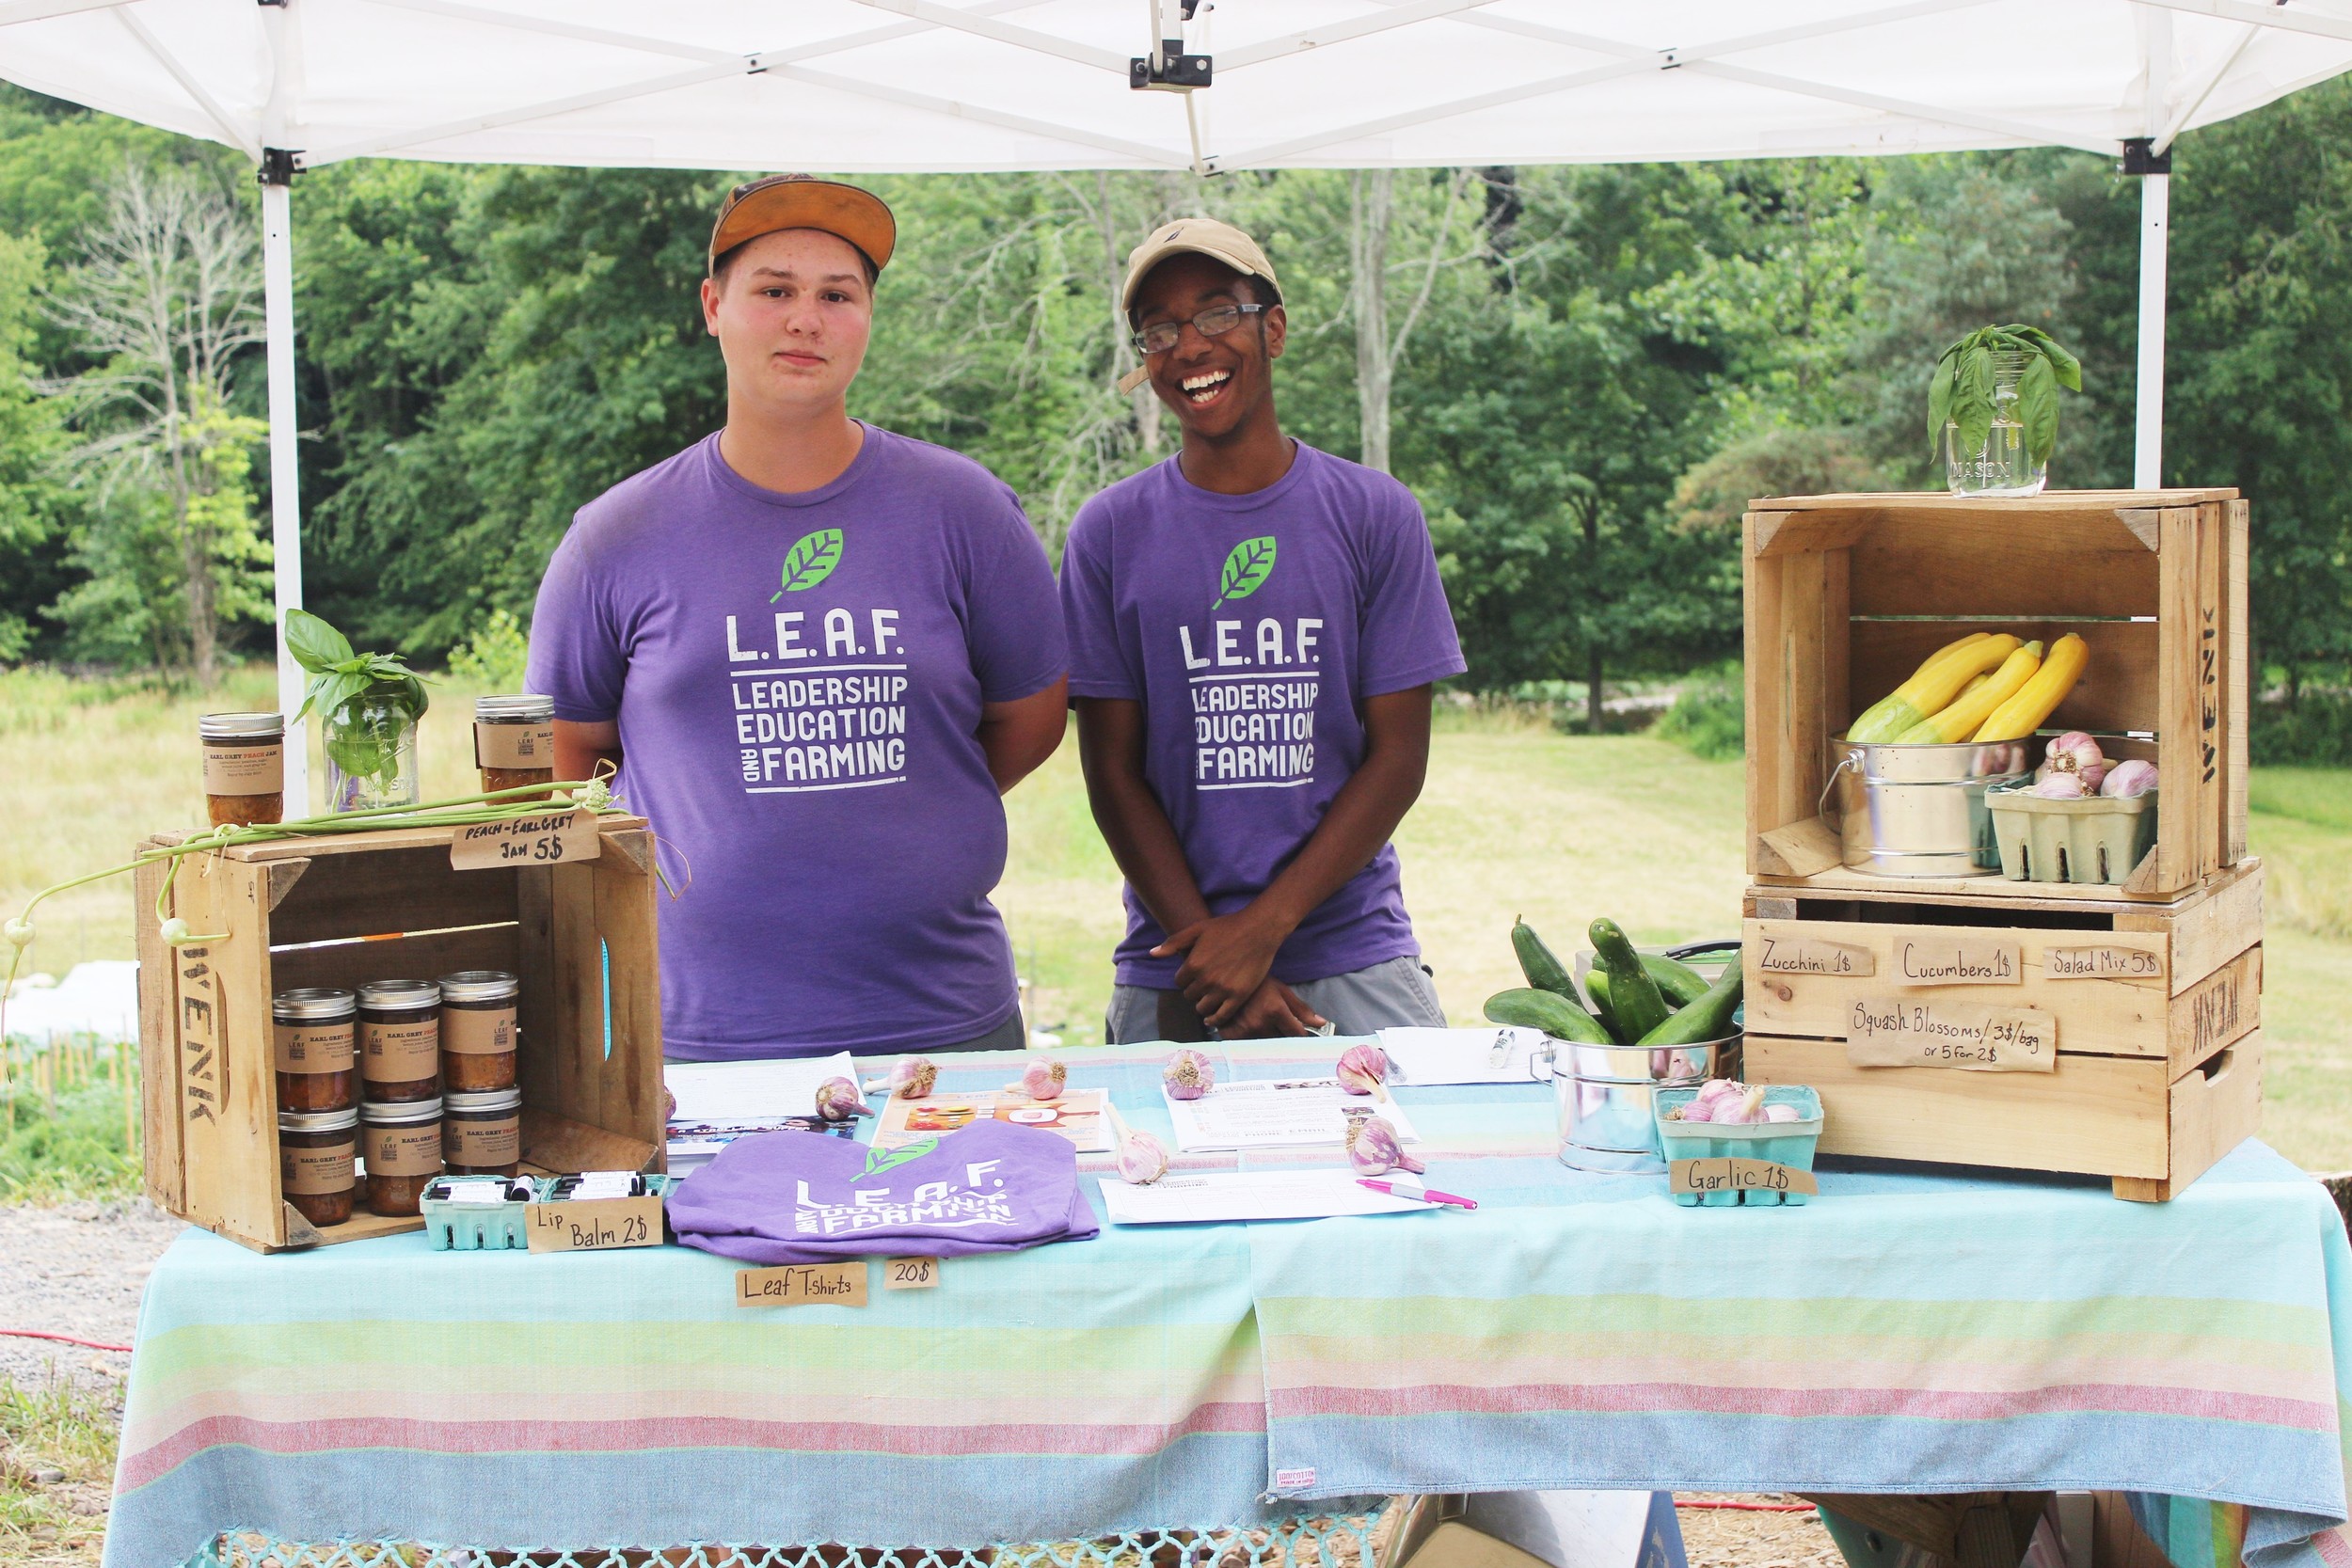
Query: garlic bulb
pixel 1364 1069
pixel 1782 1113
pixel 838 1099
pixel 1373 1149
pixel 2077 753
pixel 912 1076
pixel 2061 787
pixel 1043 1078
pixel 1142 1160
pixel 2129 780
pixel 1188 1075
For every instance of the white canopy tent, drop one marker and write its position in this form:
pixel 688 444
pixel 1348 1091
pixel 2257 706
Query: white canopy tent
pixel 997 84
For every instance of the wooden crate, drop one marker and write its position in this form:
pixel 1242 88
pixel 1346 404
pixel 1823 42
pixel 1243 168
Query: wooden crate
pixel 338 911
pixel 1846 595
pixel 2156 1010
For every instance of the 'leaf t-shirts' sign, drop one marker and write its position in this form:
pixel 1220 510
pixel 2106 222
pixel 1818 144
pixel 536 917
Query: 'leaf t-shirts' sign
pixel 797 680
pixel 1250 628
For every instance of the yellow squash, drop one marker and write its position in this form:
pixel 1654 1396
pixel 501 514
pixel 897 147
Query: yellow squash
pixel 1870 719
pixel 1976 703
pixel 2039 698
pixel 1931 690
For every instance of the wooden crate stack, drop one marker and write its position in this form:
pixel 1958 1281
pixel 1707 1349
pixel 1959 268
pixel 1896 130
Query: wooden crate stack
pixel 314 912
pixel 2153 988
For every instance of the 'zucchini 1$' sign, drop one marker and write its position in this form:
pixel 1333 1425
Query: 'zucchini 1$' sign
pixel 1895 1031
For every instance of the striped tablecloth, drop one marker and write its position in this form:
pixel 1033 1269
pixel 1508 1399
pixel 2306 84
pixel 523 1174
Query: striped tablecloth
pixel 1903 1332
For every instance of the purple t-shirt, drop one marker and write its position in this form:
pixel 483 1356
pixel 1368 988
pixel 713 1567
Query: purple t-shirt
pixel 797 680
pixel 1250 628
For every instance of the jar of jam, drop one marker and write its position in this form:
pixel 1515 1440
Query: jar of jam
pixel 478 1031
pixel 482 1134
pixel 314 1162
pixel 315 1037
pixel 514 742
pixel 244 768
pixel 400 1039
pixel 401 1142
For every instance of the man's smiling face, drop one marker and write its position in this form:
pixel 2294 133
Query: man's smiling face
pixel 1213 383
pixel 792 313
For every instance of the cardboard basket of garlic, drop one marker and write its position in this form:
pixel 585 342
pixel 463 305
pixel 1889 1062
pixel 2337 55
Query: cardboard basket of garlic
pixel 1898 620
pixel 1725 1121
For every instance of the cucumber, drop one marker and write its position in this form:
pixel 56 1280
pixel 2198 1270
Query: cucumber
pixel 1532 1007
pixel 1677 982
pixel 1596 986
pixel 1633 996
pixel 1707 1018
pixel 1543 970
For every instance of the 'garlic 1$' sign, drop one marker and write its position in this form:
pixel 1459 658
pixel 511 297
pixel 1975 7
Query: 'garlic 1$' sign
pixel 1897 1030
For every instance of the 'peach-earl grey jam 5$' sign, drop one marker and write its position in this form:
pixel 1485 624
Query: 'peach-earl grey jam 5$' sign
pixel 1897 1030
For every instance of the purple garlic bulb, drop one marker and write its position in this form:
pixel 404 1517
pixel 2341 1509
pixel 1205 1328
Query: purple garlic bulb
pixel 838 1099
pixel 1043 1078
pixel 1364 1069
pixel 2078 754
pixel 1142 1160
pixel 912 1077
pixel 2061 787
pixel 1188 1075
pixel 1374 1149
pixel 1782 1113
pixel 2126 780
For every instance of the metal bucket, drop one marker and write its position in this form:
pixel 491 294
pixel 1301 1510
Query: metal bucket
pixel 1919 811
pixel 1603 1095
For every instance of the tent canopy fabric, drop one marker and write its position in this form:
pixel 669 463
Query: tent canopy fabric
pixel 994 84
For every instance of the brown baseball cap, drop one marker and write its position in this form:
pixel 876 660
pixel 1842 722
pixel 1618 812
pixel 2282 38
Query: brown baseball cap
pixel 804 202
pixel 1219 242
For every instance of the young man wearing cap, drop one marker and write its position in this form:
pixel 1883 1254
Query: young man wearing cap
pixel 1254 629
pixel 818 654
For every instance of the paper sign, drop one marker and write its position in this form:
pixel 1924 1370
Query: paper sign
pixel 1895 1031
pixel 910 1274
pixel 1812 956
pixel 2103 963
pixel 1958 961
pixel 542 838
pixel 1737 1175
pixel 803 1285
pixel 593 1224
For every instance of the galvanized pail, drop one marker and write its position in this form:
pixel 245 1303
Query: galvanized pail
pixel 1919 811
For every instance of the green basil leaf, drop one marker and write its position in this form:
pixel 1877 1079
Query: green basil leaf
pixel 2038 407
pixel 1972 403
pixel 1939 402
pixel 315 645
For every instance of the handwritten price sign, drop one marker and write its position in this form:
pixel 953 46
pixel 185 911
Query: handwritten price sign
pixel 593 1224
pixel 1893 1031
pixel 544 838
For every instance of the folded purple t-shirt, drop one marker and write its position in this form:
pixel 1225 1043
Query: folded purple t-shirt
pixel 803 1197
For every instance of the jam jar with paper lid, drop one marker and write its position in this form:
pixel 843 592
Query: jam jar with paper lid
pixel 315 1154
pixel 400 1039
pixel 477 1033
pixel 244 768
pixel 482 1134
pixel 514 742
pixel 401 1142
pixel 315 1036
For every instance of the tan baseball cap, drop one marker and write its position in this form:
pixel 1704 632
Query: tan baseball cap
pixel 1220 241
pixel 804 202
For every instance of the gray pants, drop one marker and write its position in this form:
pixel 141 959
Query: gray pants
pixel 1398 993
pixel 1011 1035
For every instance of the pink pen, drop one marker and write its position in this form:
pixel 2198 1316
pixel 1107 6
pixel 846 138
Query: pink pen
pixel 1426 1195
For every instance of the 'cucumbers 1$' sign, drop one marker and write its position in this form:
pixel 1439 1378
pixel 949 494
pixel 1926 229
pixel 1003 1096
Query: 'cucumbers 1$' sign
pixel 544 838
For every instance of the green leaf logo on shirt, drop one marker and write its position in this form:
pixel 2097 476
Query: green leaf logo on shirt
pixel 881 1160
pixel 809 562
pixel 1245 570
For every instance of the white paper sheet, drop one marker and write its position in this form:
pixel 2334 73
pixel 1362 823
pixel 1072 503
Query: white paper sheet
pixel 1419 1057
pixel 1291 1113
pixel 731 1093
pixel 1274 1194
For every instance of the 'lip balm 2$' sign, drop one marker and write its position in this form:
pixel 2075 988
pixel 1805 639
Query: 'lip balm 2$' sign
pixel 1898 1030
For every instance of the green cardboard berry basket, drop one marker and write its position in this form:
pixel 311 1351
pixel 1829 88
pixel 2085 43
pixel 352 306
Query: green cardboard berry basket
pixel 2098 838
pixel 1783 1143
pixel 492 1228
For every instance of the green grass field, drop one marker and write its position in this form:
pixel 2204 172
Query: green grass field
pixel 1517 819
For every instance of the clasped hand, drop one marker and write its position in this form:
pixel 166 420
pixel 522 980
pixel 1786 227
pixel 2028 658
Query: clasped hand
pixel 1226 976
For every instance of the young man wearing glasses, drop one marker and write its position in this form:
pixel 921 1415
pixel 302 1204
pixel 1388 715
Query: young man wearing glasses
pixel 819 653
pixel 1254 629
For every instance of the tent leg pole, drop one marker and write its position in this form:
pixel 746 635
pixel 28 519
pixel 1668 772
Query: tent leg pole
pixel 2155 200
pixel 285 475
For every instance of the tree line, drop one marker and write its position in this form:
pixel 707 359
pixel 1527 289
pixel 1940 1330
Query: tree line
pixel 1583 372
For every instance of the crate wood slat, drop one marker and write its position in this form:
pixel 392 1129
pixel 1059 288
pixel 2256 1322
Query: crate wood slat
pixel 342 910
pixel 1846 595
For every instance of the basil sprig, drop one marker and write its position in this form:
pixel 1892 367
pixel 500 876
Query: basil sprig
pixel 1961 391
pixel 363 746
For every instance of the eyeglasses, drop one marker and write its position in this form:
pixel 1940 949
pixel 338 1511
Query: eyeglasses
pixel 1216 321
